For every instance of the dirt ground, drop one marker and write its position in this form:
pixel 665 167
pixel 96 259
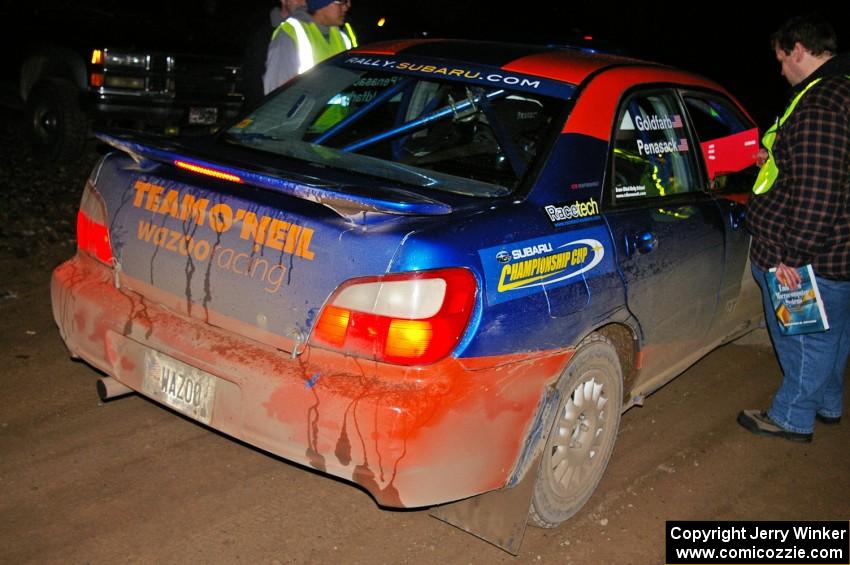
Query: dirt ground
pixel 130 481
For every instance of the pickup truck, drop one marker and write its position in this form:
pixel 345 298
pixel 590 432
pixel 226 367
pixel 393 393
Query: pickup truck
pixel 86 65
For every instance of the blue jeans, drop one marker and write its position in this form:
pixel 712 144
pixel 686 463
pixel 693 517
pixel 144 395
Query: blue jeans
pixel 812 364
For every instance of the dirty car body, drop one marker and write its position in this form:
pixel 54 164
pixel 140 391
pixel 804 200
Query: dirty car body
pixel 432 268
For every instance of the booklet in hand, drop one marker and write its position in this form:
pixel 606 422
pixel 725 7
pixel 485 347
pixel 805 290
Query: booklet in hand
pixel 799 311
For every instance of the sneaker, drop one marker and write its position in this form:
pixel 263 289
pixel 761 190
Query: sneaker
pixel 831 420
pixel 759 423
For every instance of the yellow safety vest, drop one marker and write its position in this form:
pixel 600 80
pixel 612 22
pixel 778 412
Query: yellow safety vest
pixel 313 47
pixel 769 171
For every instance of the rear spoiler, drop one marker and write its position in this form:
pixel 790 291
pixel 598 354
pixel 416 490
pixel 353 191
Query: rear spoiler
pixel 349 201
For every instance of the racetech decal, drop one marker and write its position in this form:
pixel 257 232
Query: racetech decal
pixel 578 211
pixel 526 267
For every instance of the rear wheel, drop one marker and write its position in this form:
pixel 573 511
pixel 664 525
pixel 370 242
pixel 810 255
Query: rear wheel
pixel 582 438
pixel 58 129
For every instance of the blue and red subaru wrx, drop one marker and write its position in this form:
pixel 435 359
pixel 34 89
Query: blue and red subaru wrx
pixel 434 268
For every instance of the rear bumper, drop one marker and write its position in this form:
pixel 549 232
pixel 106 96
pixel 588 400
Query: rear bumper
pixel 158 111
pixel 411 436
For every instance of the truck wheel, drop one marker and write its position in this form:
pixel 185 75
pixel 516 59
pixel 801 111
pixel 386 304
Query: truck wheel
pixel 58 128
pixel 583 434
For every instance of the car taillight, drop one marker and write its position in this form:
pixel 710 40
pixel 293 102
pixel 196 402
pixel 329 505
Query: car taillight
pixel 406 318
pixel 92 234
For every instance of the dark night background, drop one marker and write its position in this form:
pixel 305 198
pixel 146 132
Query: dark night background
pixel 726 41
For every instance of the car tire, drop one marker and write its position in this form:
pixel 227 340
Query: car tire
pixel 58 129
pixel 583 435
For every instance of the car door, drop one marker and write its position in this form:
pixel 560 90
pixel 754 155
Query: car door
pixel 668 231
pixel 729 145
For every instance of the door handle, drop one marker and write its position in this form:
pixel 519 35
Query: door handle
pixel 737 215
pixel 641 242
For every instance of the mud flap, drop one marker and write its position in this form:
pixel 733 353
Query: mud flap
pixel 499 517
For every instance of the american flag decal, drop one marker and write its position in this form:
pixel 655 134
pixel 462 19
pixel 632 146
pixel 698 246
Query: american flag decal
pixel 683 145
pixel 677 121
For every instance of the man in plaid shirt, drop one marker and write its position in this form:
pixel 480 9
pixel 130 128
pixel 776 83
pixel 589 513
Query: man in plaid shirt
pixel 803 217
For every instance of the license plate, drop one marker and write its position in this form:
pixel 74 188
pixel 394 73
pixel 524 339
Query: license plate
pixel 203 116
pixel 185 388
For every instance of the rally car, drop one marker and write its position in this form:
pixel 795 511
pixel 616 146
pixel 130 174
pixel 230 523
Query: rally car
pixel 435 268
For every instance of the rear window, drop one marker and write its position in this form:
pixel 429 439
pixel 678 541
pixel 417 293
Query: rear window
pixel 442 135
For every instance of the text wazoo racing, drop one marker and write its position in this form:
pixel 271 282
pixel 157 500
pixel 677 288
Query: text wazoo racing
pixel 263 231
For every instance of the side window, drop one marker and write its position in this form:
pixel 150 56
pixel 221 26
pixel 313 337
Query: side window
pixel 729 142
pixel 652 154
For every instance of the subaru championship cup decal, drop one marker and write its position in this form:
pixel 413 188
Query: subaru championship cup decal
pixel 525 267
pixel 584 254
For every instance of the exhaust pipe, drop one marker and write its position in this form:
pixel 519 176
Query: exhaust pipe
pixel 108 388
